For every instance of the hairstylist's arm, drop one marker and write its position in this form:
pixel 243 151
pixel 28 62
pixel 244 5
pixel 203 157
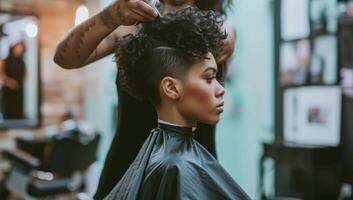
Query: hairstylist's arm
pixel 95 37
pixel 229 43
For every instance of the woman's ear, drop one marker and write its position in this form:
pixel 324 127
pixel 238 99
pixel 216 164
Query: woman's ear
pixel 171 87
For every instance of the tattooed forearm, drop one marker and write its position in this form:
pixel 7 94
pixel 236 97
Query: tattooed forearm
pixel 74 42
pixel 108 19
pixel 81 44
pixel 62 49
pixel 120 16
pixel 82 37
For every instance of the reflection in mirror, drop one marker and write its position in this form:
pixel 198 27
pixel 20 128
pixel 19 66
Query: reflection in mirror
pixel 19 70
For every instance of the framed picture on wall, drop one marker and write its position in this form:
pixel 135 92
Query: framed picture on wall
pixel 294 62
pixel 323 68
pixel 294 25
pixel 312 115
pixel 323 16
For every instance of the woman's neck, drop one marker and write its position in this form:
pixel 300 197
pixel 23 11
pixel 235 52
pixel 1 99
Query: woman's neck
pixel 172 115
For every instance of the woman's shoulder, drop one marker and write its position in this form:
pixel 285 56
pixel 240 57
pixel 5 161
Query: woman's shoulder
pixel 173 161
pixel 175 164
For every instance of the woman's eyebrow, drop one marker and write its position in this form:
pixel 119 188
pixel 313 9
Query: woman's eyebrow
pixel 211 68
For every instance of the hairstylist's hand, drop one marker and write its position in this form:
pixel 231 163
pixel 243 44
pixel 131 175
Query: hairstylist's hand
pixel 130 12
pixel 228 47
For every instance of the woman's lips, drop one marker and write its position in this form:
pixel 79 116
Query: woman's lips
pixel 219 107
pixel 221 104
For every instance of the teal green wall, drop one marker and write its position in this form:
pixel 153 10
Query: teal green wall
pixel 249 117
pixel 101 98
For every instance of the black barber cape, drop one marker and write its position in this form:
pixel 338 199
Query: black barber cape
pixel 172 165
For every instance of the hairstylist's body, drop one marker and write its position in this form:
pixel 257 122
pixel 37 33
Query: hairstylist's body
pixel 96 38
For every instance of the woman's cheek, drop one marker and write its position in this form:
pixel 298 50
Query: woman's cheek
pixel 198 93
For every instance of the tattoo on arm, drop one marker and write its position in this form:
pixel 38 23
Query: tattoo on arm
pixel 120 16
pixel 110 40
pixel 63 48
pixel 76 40
pixel 82 37
pixel 107 18
pixel 78 35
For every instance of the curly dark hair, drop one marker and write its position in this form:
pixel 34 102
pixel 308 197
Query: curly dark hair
pixel 220 6
pixel 167 47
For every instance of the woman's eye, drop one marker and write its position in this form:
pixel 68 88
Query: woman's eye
pixel 209 79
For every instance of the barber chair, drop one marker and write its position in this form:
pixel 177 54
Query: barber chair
pixel 49 167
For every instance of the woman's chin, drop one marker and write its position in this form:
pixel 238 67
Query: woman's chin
pixel 211 121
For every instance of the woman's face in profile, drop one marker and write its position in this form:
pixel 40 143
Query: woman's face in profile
pixel 202 94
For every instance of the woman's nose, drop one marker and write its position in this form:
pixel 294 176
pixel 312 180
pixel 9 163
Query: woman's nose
pixel 219 90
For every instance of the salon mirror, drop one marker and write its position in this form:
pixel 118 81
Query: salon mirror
pixel 19 70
